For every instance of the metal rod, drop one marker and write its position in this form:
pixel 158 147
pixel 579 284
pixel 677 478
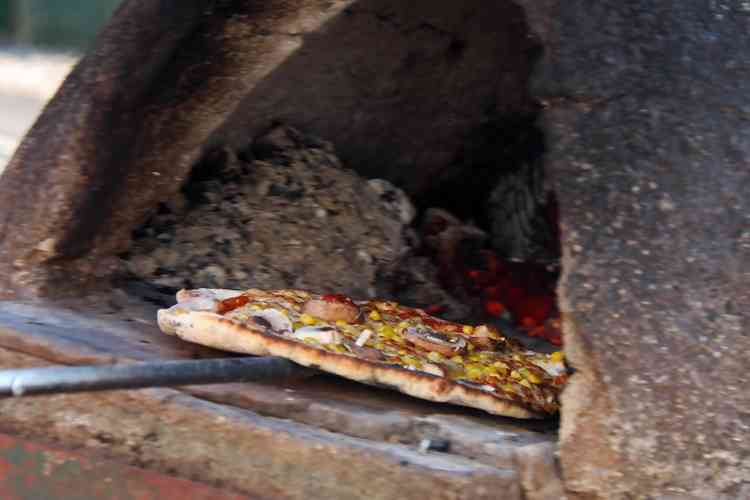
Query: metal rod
pixel 65 379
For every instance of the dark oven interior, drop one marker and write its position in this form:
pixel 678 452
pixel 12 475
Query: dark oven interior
pixel 286 212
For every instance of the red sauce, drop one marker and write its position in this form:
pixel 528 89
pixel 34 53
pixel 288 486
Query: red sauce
pixel 432 323
pixel 408 313
pixel 338 298
pixel 232 303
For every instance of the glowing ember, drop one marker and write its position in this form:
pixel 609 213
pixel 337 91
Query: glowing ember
pixel 522 292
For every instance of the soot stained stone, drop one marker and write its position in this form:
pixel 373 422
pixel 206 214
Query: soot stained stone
pixel 398 86
pixel 647 126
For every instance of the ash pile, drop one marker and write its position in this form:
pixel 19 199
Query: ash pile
pixel 286 213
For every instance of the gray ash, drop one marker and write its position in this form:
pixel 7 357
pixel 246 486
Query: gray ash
pixel 283 213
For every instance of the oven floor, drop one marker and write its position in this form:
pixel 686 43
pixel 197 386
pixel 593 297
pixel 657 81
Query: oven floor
pixel 322 436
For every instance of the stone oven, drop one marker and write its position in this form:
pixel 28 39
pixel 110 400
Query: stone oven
pixel 622 122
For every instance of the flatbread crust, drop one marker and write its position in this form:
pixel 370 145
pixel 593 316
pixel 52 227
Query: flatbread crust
pixel 193 320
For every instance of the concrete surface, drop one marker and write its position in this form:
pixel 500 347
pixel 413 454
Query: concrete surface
pixel 646 123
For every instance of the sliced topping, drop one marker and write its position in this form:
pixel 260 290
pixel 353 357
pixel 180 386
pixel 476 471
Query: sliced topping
pixel 433 369
pixel 530 376
pixel 454 370
pixel 474 371
pixel 273 320
pixel 262 322
pixel 367 353
pixel 483 336
pixel 332 309
pixel 500 368
pixel 364 337
pixel 232 303
pixel 410 361
pixel 212 294
pixel 435 357
pixel 434 341
pixel 205 299
pixel 387 332
pixel 553 365
pixel 307 319
pixel 441 324
pixel 321 334
pixel 474 385
pixel 386 306
pixel 338 298
pixel 339 348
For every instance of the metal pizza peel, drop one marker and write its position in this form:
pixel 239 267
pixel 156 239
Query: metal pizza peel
pixel 68 379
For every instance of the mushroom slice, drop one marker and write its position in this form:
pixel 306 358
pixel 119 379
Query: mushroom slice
pixel 332 308
pixel 207 296
pixel 367 353
pixel 204 299
pixel 364 337
pixel 484 337
pixel 323 334
pixel 272 320
pixel 433 369
pixel 553 368
pixel 474 385
pixel 435 341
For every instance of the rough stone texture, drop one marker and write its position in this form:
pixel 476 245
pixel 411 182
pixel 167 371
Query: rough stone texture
pixel 294 217
pixel 647 114
pixel 213 433
pixel 539 472
pixel 241 451
pixel 31 469
pixel 410 92
pixel 398 87
pixel 647 120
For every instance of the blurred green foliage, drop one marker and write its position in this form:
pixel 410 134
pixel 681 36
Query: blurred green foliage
pixel 63 24
pixel 5 15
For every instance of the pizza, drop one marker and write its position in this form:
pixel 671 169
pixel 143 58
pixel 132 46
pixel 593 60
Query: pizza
pixel 376 342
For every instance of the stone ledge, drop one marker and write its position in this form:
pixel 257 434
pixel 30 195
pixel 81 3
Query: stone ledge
pixel 166 430
pixel 352 437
